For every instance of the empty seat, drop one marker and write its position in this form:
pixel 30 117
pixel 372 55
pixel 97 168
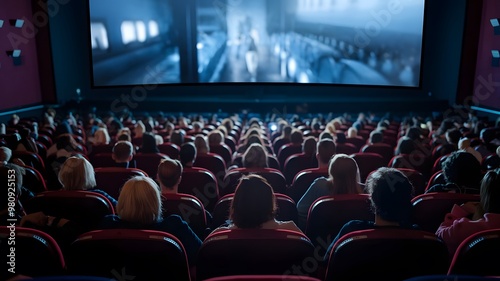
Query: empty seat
pixel 430 209
pixel 368 162
pixel 102 160
pixel 479 255
pixel 212 162
pixel 170 149
pixel 328 214
pixel 148 162
pixel 30 159
pixel 83 207
pixel 303 181
pixel 202 184
pixel 223 151
pixel 386 254
pixel 252 252
pixel 296 163
pixel 286 151
pixel 145 254
pixel 287 209
pixel 382 149
pixel 33 180
pixel 274 177
pixel 36 253
pixel 111 179
pixel 189 208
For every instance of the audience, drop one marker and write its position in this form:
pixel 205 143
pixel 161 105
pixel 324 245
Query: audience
pixel 188 154
pixel 140 207
pixel 255 157
pixel 390 194
pixel 473 217
pixel 254 207
pixel 169 175
pixel 77 173
pixel 343 179
pixel 325 151
pixel 123 154
pixel 149 144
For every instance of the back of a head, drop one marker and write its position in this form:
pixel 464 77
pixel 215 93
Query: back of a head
pixel 254 139
pixel 201 144
pixel 340 137
pixel 215 137
pixel 122 151
pixel 65 141
pixel 296 137
pixel 76 173
pixel 5 154
pixel 169 172
pixel 187 153
pixel 149 144
pixel 309 146
pixel 139 201
pixel 101 136
pixel 177 137
pixel 487 135
pixel 453 136
pixel 326 149
pixel 255 157
pixel 391 194
pixel 254 202
pixel 344 173
pixel 352 132
pixel 287 131
pixel 462 169
pixel 376 137
pixel 325 135
pixel 414 133
pixel 405 145
pixel 490 192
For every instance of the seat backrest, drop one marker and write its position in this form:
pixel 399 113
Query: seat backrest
pixel 111 179
pixel 273 176
pixel 148 162
pixel 212 162
pixel 382 149
pixel 430 209
pixel 33 180
pixel 287 209
pixel 368 162
pixel 303 181
pixel 223 151
pixel 83 207
pixel 490 162
pixel 31 159
pixel 286 151
pixel 170 149
pixel 296 163
pixel 102 148
pixel 189 208
pixel 266 251
pixel 48 259
pixel 346 148
pixel 102 160
pixel 145 254
pixel 328 214
pixel 202 184
pixel 436 178
pixel 387 254
pixel 358 142
pixel 479 255
pixel 416 161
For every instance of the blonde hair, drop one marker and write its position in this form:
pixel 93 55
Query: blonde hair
pixel 101 136
pixel 344 174
pixel 140 201
pixel 139 129
pixel 201 144
pixel 77 173
pixel 255 156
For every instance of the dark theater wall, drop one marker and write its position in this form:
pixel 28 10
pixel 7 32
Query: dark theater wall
pixel 19 78
pixel 443 35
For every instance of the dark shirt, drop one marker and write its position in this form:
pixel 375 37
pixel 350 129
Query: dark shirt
pixel 172 224
pixel 356 225
pixel 109 197
pixel 130 164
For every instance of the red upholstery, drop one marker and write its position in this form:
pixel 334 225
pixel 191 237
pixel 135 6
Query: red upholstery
pixel 287 209
pixel 102 160
pixel 358 142
pixel 148 162
pixel 266 251
pixel 170 149
pixel 296 163
pixel 287 150
pixel 430 209
pixel 103 148
pixel 416 161
pixel 212 162
pixel 84 207
pixel 436 178
pixel 328 214
pixel 223 151
pixel 189 208
pixel 31 159
pixel 382 149
pixel 346 148
pixel 111 179
pixel 273 176
pixel 478 255
pixel 303 181
pixel 387 254
pixel 36 253
pixel 202 184
pixel 368 162
pixel 145 254
pixel 33 180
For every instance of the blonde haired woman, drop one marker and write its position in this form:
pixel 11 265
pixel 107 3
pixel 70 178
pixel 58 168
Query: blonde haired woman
pixel 255 157
pixel 343 179
pixel 101 136
pixel 77 173
pixel 140 207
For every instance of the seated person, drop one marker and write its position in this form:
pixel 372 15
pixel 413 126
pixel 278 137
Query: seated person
pixel 473 217
pixel 78 174
pixel 255 157
pixel 187 155
pixel 123 154
pixel 343 179
pixel 390 194
pixel 169 175
pixel 462 173
pixel 254 206
pixel 140 207
pixel 24 194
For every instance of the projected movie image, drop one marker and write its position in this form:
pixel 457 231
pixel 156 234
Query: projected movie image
pixel 133 42
pixel 367 42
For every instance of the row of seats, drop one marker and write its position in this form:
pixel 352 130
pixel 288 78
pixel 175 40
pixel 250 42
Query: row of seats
pixel 377 254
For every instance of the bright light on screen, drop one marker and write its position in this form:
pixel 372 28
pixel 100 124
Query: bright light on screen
pixel 351 42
